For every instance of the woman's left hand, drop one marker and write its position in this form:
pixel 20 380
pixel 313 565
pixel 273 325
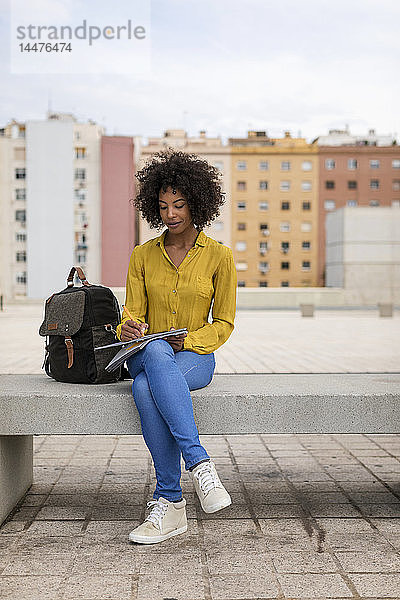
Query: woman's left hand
pixel 176 341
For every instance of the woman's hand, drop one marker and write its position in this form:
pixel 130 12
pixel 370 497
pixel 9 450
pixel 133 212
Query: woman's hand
pixel 132 330
pixel 176 341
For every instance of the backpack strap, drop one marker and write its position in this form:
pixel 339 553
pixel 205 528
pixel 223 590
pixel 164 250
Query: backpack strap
pixel 81 275
pixel 70 351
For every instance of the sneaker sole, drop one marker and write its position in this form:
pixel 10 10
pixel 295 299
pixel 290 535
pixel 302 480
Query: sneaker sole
pixel 156 538
pixel 216 507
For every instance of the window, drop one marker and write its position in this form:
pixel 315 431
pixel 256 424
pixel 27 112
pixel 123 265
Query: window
pixel 284 284
pixel 396 185
pixel 285 165
pixel 21 256
pixel 20 216
pixel 285 205
pixel 374 202
pixel 80 152
pixel 20 173
pixel 263 247
pixel 20 194
pixel 306 165
pixel 20 237
pixel 374 184
pixel 263 185
pixel 263 266
pixel 241 186
pixel 352 164
pixel 330 164
pixel 263 284
pixel 306 226
pixel 306 205
pixel 241 165
pixel 218 225
pixel 396 203
pixel 285 265
pixel 241 283
pixel 374 164
pixel 306 186
pixel 263 205
pixel 264 228
pixel 241 226
pixel 352 185
pixel 285 186
pixel 330 204
pixel 330 185
pixel 263 165
pixel 81 257
pixel 285 247
pixel 240 246
pixel 396 163
pixel 351 202
pixel 241 205
pixel 284 226
pixel 21 277
pixel 80 174
pixel 306 245
pixel 306 265
pixel 241 266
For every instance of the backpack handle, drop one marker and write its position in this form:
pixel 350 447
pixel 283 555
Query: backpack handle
pixel 81 275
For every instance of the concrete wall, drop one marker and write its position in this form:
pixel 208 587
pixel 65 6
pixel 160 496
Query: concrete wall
pixel 364 244
pixel 50 213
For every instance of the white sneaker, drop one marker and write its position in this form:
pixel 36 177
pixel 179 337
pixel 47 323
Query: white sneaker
pixel 165 520
pixel 212 494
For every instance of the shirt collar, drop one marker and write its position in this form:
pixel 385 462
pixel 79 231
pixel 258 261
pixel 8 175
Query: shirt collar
pixel 200 240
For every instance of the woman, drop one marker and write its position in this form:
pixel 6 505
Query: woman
pixel 172 280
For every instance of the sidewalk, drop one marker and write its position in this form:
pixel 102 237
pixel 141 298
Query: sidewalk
pixel 262 342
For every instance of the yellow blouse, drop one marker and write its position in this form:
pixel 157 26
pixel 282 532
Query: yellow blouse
pixel 164 296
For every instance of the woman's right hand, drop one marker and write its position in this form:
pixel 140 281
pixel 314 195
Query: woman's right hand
pixel 131 330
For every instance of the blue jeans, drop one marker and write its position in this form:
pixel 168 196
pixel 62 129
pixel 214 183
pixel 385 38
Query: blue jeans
pixel 161 383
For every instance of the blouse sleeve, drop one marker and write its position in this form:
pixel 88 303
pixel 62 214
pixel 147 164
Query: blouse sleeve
pixel 136 296
pixel 211 336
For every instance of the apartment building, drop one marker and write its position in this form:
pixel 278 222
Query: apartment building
pixel 274 183
pixel 355 171
pixel 216 153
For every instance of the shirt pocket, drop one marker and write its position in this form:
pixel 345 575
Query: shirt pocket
pixel 203 286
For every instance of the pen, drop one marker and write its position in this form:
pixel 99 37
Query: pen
pixel 129 314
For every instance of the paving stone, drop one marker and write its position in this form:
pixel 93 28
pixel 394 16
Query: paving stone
pixel 233 562
pixel 68 500
pixel 381 585
pixel 380 510
pixel 271 511
pixel 181 587
pixel 39 563
pixel 54 528
pixel 245 586
pixel 29 587
pixel 173 564
pixel 61 513
pixel 358 541
pixel 312 585
pixel 303 562
pixel 369 562
pixel 116 558
pixel 344 525
pixel 323 509
pixel 100 587
pixel 107 513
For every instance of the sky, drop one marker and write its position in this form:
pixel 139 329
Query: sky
pixel 226 66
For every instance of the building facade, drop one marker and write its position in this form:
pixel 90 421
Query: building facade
pixel 360 171
pixel 212 150
pixel 274 210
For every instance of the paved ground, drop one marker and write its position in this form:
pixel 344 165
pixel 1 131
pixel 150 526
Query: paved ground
pixel 262 342
pixel 312 517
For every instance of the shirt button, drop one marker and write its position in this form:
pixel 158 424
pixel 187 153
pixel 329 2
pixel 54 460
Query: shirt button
pixel 174 291
pixel 174 312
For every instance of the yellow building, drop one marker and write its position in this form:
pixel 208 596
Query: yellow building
pixel 274 193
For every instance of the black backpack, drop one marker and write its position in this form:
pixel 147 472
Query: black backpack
pixel 77 320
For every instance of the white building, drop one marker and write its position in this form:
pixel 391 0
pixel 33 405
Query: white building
pixel 212 150
pixel 343 137
pixel 50 200
pixel 363 253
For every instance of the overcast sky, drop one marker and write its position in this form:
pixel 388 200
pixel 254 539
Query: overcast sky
pixel 228 66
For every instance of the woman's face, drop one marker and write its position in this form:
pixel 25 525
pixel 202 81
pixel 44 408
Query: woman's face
pixel 174 211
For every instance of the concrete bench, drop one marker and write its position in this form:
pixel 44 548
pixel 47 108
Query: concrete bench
pixel 231 404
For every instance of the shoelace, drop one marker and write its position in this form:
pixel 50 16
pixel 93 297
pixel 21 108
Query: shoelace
pixel 207 478
pixel 157 512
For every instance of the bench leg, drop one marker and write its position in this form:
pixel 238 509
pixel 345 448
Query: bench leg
pixel 16 470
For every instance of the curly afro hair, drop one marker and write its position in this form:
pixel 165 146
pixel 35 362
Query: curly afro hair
pixel 197 181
